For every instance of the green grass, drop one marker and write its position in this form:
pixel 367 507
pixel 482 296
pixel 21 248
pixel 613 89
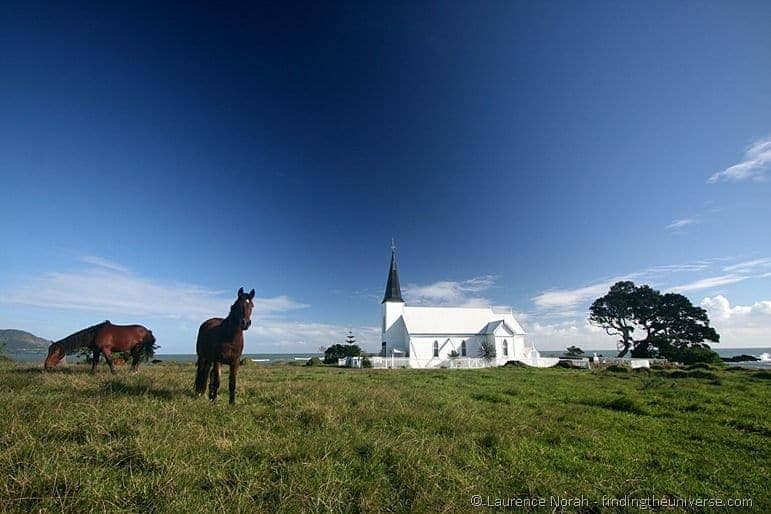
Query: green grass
pixel 319 439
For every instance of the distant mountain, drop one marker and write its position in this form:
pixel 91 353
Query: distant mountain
pixel 21 342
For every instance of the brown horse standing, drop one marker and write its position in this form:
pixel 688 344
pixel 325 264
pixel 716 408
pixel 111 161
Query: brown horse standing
pixel 221 341
pixel 104 339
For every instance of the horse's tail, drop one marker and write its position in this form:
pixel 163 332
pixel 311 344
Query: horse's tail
pixel 149 346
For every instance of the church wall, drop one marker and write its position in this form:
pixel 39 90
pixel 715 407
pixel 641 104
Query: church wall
pixel 422 348
pixel 396 338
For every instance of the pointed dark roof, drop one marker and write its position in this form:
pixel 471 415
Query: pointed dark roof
pixel 393 292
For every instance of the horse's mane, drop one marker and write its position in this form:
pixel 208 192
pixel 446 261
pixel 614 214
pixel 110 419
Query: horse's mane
pixel 80 338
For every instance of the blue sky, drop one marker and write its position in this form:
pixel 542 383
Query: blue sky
pixel 154 159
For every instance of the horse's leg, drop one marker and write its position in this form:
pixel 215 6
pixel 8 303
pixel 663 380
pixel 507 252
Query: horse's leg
pixel 202 375
pixel 214 381
pixel 108 357
pixel 95 360
pixel 136 354
pixel 232 382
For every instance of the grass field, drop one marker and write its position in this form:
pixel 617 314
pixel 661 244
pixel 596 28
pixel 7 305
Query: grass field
pixel 318 439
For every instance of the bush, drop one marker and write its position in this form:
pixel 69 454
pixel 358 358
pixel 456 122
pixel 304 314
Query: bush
pixel 340 351
pixel 487 350
pixel 366 363
pixel 574 351
pixel 314 361
pixel 615 368
pixel 692 355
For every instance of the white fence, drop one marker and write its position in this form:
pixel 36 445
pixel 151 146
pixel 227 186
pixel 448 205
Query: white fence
pixel 542 362
pixel 454 363
pixel 406 362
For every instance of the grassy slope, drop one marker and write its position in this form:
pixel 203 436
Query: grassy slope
pixel 322 438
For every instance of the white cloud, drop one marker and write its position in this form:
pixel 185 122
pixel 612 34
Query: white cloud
pixel 755 165
pixel 276 336
pixel 750 266
pixel 103 263
pixel 565 309
pixel 682 223
pixel 562 299
pixel 463 293
pixel 560 335
pixel 740 325
pixel 706 283
pixel 108 288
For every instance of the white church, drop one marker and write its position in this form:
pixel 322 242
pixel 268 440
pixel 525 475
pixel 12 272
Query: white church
pixel 431 337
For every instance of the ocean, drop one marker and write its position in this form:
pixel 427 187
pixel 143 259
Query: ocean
pixel 268 358
pixel 764 354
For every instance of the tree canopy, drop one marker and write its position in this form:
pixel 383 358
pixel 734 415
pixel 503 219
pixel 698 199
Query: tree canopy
pixel 671 325
pixel 339 351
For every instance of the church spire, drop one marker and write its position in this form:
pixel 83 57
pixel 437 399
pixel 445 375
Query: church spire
pixel 393 292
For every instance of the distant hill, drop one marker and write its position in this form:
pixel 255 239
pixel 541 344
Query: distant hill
pixel 21 342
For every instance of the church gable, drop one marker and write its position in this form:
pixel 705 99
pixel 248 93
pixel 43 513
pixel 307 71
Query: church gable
pixel 499 329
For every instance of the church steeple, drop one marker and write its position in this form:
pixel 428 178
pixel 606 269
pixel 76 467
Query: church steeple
pixel 393 292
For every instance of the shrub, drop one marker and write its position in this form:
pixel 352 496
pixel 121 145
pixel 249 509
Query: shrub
pixel 487 350
pixel 615 368
pixel 692 355
pixel 574 351
pixel 314 361
pixel 366 363
pixel 340 351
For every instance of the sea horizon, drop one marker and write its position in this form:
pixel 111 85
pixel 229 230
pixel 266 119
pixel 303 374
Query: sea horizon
pixel 763 353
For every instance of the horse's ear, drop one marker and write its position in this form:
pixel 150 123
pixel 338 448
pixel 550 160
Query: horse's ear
pixel 240 292
pixel 251 294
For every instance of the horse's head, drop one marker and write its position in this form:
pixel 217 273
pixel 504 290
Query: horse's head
pixel 241 310
pixel 55 354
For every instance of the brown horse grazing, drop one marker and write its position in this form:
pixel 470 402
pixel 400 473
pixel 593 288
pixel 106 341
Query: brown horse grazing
pixel 104 338
pixel 221 341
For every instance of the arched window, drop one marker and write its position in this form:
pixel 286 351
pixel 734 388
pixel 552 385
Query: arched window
pixel 383 349
pixel 505 348
pixel 463 348
pixel 436 348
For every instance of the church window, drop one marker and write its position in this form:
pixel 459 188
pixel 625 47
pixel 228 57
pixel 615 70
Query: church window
pixel 383 349
pixel 463 348
pixel 505 348
pixel 436 348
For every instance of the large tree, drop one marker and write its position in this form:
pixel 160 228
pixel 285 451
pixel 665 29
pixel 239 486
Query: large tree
pixel 670 323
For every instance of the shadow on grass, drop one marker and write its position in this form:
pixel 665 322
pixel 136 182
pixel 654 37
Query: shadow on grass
pixel 59 370
pixel 620 404
pixel 117 386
